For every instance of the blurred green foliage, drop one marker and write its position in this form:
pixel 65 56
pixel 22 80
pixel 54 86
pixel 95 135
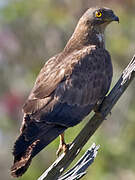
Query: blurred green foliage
pixel 30 33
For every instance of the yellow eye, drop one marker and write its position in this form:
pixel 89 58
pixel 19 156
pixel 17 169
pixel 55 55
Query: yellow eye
pixel 98 14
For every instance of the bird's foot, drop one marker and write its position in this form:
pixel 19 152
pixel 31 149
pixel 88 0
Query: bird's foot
pixel 62 148
pixel 97 106
pixel 99 114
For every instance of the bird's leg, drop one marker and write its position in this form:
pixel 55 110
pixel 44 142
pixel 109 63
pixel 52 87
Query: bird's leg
pixel 98 106
pixel 62 146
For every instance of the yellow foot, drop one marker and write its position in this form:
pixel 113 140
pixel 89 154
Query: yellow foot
pixel 62 148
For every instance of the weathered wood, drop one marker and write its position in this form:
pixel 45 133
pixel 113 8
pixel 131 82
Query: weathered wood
pixel 78 171
pixel 58 167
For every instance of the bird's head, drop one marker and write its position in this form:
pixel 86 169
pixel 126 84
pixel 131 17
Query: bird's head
pixel 90 28
pixel 98 18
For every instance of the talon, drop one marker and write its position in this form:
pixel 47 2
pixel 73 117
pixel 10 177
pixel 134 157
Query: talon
pixel 97 106
pixel 62 148
pixel 96 109
pixel 99 114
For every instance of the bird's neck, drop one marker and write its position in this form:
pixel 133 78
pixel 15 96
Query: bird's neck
pixel 85 37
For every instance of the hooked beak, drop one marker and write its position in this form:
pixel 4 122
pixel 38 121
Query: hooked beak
pixel 112 17
pixel 115 18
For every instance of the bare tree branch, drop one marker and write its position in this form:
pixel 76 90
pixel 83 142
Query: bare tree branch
pixel 58 167
pixel 78 171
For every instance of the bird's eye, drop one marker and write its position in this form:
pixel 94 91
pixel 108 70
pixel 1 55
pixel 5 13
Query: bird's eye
pixel 98 14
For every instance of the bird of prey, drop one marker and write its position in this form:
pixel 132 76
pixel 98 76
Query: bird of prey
pixel 67 89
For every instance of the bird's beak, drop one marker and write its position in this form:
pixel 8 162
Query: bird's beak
pixel 115 18
pixel 112 17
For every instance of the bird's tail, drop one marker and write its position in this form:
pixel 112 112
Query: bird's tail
pixel 32 140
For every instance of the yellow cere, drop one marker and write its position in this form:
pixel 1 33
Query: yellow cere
pixel 98 14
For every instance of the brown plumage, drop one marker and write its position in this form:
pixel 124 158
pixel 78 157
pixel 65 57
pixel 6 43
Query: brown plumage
pixel 67 88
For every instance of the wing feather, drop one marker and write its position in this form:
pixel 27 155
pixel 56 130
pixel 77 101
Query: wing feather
pixel 80 79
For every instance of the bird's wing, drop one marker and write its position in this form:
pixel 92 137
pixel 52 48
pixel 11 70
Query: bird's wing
pixel 90 78
pixel 79 79
pixel 47 79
